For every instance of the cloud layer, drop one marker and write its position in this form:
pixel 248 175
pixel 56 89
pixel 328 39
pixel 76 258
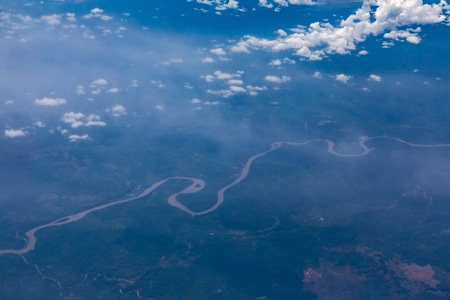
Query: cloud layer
pixel 374 18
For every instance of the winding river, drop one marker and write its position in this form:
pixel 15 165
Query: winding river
pixel 198 184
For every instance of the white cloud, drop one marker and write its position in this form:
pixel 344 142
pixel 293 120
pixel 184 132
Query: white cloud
pixel 209 78
pixel 49 101
pixel 317 75
pixel 207 60
pixel 279 62
pixel 212 103
pixel 95 123
pixel 72 117
pixel 105 18
pixel 232 80
pixel 221 93
pixel 240 47
pixel 256 88
pixel 222 76
pixel 266 4
pixel 97 11
pixel 94 120
pixel 343 78
pixel 235 81
pixel 387 44
pixel 71 17
pixel 159 107
pixel 410 35
pixel 98 85
pixel 12 133
pixel 77 124
pixel 158 83
pixel 196 101
pixel 281 32
pixel 171 61
pixel 237 89
pixel 76 137
pixel 52 19
pixel 117 110
pixel 220 4
pixel 99 82
pixel 39 124
pixel 363 52
pixel 276 79
pixel 374 77
pixel 375 17
pixel 269 3
pixel 77 120
pixel 275 62
pixel 80 90
pixel 113 90
pixel 9 102
pixel 218 51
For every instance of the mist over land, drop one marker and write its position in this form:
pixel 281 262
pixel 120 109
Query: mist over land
pixel 323 125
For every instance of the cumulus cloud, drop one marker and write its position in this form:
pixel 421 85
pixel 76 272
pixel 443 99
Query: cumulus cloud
pixel 220 4
pixel 52 19
pixel 117 110
pixel 94 120
pixel 235 82
pixel 12 133
pixel 276 79
pixel 270 3
pixel 99 82
pixel 171 61
pixel 72 117
pixel 71 17
pixel 221 93
pixel 218 51
pixel 237 89
pixel 78 119
pixel 279 62
pixel 374 77
pixel 158 83
pixel 198 101
pixel 374 18
pixel 97 13
pixel 410 35
pixel 222 75
pixel 76 137
pixel 256 88
pixel 113 90
pixel 343 78
pixel 207 60
pixel 98 85
pixel 80 90
pixel 39 124
pixel 49 101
